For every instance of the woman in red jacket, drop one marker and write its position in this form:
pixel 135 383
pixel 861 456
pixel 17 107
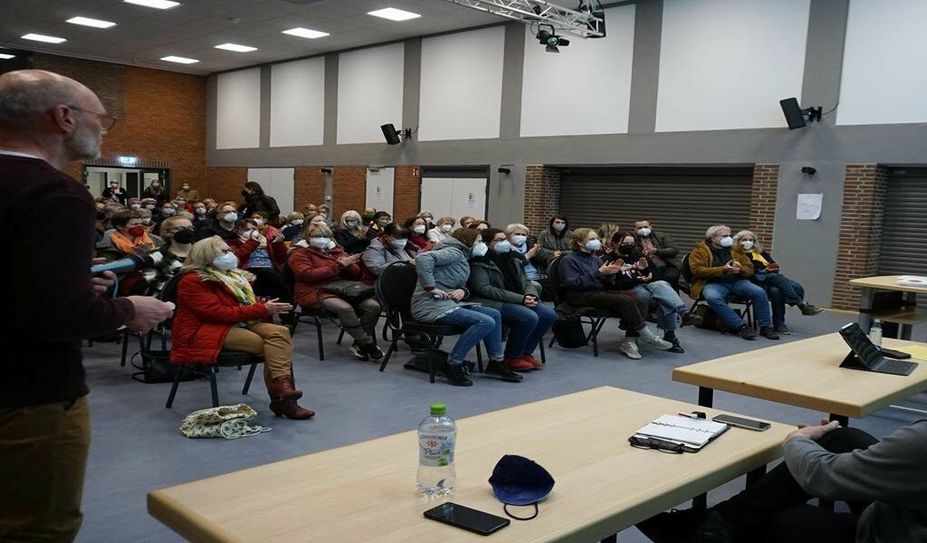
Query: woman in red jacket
pixel 317 261
pixel 217 309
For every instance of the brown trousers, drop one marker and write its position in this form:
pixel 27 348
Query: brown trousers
pixel 271 341
pixel 631 310
pixel 43 454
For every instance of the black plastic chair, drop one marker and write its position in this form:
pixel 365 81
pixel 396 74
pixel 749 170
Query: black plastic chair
pixel 225 359
pixel 592 316
pixel 395 287
pixel 685 285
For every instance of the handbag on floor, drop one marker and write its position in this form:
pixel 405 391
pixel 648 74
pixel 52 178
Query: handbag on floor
pixel 352 291
pixel 156 367
pixel 569 333
pixel 225 421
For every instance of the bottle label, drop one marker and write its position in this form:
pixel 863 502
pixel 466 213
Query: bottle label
pixel 436 449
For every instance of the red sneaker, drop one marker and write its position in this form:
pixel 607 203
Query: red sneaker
pixel 534 361
pixel 519 364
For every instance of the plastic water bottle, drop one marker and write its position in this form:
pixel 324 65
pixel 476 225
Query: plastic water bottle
pixel 437 435
pixel 875 333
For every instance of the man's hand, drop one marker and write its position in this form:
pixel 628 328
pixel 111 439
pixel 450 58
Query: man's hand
pixel 773 267
pixel 730 267
pixel 457 294
pixel 149 312
pixel 101 283
pixel 529 300
pixel 815 432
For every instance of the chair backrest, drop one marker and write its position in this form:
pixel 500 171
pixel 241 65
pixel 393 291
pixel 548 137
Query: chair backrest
pixel 553 275
pixel 685 270
pixel 395 287
pixel 169 294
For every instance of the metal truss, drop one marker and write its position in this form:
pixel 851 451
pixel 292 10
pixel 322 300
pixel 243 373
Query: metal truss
pixel 582 24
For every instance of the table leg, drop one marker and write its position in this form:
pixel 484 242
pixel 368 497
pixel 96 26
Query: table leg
pixel 705 396
pixel 865 308
pixel 843 420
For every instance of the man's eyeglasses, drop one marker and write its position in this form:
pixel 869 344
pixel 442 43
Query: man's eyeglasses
pixel 106 120
pixel 641 442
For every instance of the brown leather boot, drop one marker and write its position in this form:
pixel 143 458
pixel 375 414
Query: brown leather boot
pixel 281 388
pixel 290 409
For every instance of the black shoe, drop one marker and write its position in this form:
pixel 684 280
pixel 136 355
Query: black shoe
pixel 499 369
pixel 691 319
pixel 458 375
pixel 359 351
pixel 782 330
pixel 714 530
pixel 747 332
pixel 673 526
pixel 808 309
pixel 676 348
pixel 768 332
pixel 373 352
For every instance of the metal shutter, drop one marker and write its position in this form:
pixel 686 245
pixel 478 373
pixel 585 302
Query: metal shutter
pixel 681 202
pixel 904 226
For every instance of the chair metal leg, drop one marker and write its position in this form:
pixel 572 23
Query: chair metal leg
pixel 125 347
pixel 543 354
pixel 341 336
pixel 389 352
pixel 214 388
pixel 174 385
pixel 479 358
pixel 244 391
pixel 318 330
pixel 385 331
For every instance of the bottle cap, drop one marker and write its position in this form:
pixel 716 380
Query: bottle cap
pixel 438 409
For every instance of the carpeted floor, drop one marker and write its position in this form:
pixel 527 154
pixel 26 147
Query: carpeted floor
pixel 137 448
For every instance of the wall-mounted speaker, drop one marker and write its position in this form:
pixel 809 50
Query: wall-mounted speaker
pixel 391 134
pixel 794 116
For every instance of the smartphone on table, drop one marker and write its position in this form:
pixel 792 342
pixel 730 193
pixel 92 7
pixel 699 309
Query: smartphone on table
pixel 740 422
pixel 469 519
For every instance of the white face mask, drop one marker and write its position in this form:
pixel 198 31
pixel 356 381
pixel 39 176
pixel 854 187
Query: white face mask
pixel 519 239
pixel 167 211
pixel 593 245
pixel 400 243
pixel 726 241
pixel 135 207
pixel 149 206
pixel 559 226
pixel 297 222
pixel 502 247
pixel 226 261
pixel 259 222
pixel 230 217
pixel 351 224
pixel 321 243
pixel 200 210
pixel 446 228
pixel 420 229
pixel 644 232
pixel 479 249
pixel 186 187
pixel 747 245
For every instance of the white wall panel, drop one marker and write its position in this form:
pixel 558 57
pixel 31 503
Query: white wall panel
pixel 725 64
pixel 586 89
pixel 238 109
pixel 369 92
pixel 884 63
pixel 297 103
pixel 461 85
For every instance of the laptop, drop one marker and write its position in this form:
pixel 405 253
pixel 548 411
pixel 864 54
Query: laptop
pixel 867 357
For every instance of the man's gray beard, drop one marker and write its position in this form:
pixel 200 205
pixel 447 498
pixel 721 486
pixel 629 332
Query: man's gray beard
pixel 83 145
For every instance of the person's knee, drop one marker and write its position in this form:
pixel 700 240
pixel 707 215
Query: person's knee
pixel 844 440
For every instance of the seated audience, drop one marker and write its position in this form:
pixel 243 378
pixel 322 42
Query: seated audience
pixel 720 269
pixel 367 217
pixel 256 200
pixel 380 220
pixel 556 241
pixel 179 235
pixel 390 246
pixel 200 215
pixel 442 278
pixel 324 262
pixel 294 223
pixel 418 238
pixel 351 233
pixel 590 283
pixel 168 209
pixel 428 217
pixel 135 204
pixel 780 290
pixel 498 280
pixel 150 204
pixel 115 192
pixel 187 193
pixel 309 209
pixel 223 225
pixel 660 252
pixel 217 309
pixel 529 248
pixel 260 249
pixel 479 225
pixel 442 230
pixel 882 482
pixel 155 191
pixel 129 236
pixel 466 221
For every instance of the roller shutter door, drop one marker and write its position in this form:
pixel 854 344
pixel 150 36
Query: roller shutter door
pixel 904 226
pixel 682 202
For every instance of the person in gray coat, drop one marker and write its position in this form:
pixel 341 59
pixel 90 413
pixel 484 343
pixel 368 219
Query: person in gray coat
pixel 442 278
pixel 390 246
pixel 498 280
pixel 883 482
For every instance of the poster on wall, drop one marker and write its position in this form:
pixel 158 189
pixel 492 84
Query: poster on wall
pixel 809 207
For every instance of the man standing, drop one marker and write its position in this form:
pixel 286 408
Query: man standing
pixel 46 121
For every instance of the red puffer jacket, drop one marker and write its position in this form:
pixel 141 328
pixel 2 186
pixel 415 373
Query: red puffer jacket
pixel 312 268
pixel 206 310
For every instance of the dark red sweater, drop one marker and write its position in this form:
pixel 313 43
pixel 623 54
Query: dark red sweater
pixel 47 221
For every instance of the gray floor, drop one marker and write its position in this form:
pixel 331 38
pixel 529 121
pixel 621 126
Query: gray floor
pixel 137 448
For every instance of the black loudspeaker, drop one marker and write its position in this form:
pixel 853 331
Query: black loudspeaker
pixel 391 134
pixel 793 113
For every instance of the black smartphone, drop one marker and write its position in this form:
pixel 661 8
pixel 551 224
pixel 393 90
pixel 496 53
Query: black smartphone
pixel 467 518
pixel 740 422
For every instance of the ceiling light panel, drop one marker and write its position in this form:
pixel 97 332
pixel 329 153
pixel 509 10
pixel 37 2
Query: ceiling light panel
pixel 43 38
pixel 87 21
pixel 157 4
pixel 236 48
pixel 305 33
pixel 179 60
pixel 394 14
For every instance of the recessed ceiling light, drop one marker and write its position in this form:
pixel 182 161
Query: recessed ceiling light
pixel 87 21
pixel 179 60
pixel 237 48
pixel 394 14
pixel 305 33
pixel 159 4
pixel 4 56
pixel 42 37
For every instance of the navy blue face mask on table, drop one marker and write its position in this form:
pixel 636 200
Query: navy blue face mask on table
pixel 517 480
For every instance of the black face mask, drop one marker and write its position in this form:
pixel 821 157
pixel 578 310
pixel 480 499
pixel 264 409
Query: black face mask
pixel 625 249
pixel 184 235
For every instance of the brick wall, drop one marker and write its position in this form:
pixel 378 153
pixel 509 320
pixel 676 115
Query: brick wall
pixel 407 192
pixel 308 186
pixel 225 183
pixel 542 196
pixel 763 202
pixel 349 189
pixel 162 115
pixel 860 230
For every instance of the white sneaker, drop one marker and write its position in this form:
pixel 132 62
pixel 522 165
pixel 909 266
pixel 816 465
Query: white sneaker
pixel 628 348
pixel 650 338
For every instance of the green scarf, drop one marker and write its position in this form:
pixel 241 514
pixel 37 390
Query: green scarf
pixel 236 281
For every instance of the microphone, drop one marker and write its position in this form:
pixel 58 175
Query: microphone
pixel 128 264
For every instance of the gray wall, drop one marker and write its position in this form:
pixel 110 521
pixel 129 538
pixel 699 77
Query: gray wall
pixel 807 249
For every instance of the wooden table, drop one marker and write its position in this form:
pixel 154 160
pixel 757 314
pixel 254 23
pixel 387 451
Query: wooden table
pixel 804 373
pixel 906 316
pixel 367 491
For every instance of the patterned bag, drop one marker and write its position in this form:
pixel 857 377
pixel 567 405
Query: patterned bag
pixel 226 421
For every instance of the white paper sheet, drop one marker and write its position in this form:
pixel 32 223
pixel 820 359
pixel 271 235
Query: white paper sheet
pixel 809 207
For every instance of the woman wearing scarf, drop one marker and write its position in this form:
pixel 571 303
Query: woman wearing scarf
pixel 217 309
pixel 351 233
pixel 418 227
pixel 130 236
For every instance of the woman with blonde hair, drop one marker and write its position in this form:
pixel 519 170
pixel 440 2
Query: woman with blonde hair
pixel 351 233
pixel 217 309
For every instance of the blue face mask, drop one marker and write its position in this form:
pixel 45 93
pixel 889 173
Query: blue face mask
pixel 479 249
pixel 593 245
pixel 517 480
pixel 502 247
pixel 400 243
pixel 226 261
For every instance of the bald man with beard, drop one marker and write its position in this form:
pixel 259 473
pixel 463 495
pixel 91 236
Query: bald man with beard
pixel 51 301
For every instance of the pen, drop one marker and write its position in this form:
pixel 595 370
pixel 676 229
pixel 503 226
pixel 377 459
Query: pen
pixel 687 415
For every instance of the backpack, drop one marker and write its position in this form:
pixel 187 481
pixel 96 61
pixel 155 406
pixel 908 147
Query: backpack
pixel 569 333
pixel 156 367
pixel 711 320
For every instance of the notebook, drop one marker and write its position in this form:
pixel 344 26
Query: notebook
pixel 694 433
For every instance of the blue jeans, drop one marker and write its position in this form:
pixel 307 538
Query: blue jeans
pixel 781 291
pixel 482 323
pixel 716 293
pixel 669 304
pixel 527 327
